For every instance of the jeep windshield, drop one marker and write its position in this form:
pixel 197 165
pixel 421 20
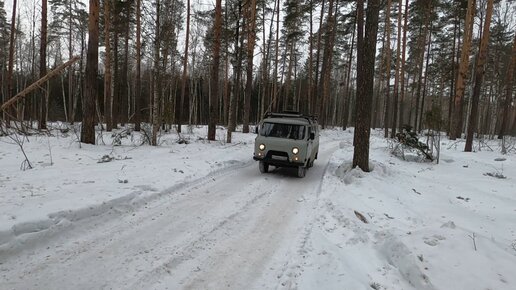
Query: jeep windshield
pixel 279 130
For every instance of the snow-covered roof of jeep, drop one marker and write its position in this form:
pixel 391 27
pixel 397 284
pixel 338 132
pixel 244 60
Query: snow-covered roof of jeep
pixel 290 118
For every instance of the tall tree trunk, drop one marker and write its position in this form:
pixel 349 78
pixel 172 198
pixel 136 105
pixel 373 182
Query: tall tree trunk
pixel 317 102
pixel 326 65
pixel 452 77
pixel 366 49
pixel 422 41
pixel 402 70
pixel 215 72
pixel 397 74
pixel 108 96
pixel 274 98
pixel 387 69
pixel 237 74
pixel 156 89
pixel 266 62
pixel 509 80
pixel 126 95
pixel 251 36
pixel 70 69
pixel 287 99
pixel 10 76
pixel 347 91
pixel 420 124
pixel 310 60
pixel 116 104
pixel 456 128
pixel 138 89
pixel 479 75
pixel 185 68
pixel 227 89
pixel 90 94
pixel 43 65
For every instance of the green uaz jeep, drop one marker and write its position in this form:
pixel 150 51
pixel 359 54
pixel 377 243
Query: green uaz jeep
pixel 287 140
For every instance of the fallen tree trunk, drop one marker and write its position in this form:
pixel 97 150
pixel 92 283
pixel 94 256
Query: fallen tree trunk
pixel 38 83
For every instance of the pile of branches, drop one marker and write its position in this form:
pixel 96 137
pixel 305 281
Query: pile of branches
pixel 408 139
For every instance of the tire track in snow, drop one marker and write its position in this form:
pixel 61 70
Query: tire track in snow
pixel 32 234
pixel 203 223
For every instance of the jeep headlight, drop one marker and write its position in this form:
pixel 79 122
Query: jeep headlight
pixel 262 147
pixel 295 150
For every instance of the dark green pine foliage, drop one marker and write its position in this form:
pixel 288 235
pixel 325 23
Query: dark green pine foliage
pixel 409 138
pixel 67 19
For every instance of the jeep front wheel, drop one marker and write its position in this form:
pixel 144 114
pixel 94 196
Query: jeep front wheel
pixel 264 167
pixel 301 171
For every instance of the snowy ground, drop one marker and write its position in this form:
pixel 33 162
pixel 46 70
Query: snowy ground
pixel 201 216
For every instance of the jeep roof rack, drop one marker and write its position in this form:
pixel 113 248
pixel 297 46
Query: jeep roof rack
pixel 291 114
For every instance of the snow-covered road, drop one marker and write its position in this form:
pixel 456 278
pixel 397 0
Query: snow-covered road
pixel 227 230
pixel 201 216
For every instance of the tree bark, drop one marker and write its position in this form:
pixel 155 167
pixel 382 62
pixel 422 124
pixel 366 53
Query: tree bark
pixel 215 72
pixel 185 69
pixel 397 74
pixel 10 87
pixel 479 75
pixel 402 70
pixel 138 88
pixel 108 96
pixel 420 124
pixel 317 101
pixel 156 79
pixel 326 65
pixel 274 98
pixel 90 92
pixel 366 49
pixel 422 41
pixel 237 73
pixel 387 69
pixel 347 91
pixel 456 128
pixel 452 76
pixel 509 80
pixel 70 116
pixel 43 65
pixel 251 36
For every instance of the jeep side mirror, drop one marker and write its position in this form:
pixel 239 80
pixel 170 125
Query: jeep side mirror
pixel 312 136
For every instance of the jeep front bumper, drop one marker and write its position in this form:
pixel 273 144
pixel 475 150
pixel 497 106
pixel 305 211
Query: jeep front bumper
pixel 279 161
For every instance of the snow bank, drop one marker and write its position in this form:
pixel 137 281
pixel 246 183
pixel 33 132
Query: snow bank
pixel 423 222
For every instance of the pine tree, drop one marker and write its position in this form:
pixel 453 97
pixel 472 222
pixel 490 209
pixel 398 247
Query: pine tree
pixel 4 48
pixel 185 69
pixel 215 71
pixel 251 36
pixel 456 128
pixel 479 75
pixel 43 65
pixel 90 94
pixel 138 87
pixel 156 77
pixel 366 49
pixel 108 94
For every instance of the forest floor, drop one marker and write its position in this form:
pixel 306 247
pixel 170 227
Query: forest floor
pixel 199 215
